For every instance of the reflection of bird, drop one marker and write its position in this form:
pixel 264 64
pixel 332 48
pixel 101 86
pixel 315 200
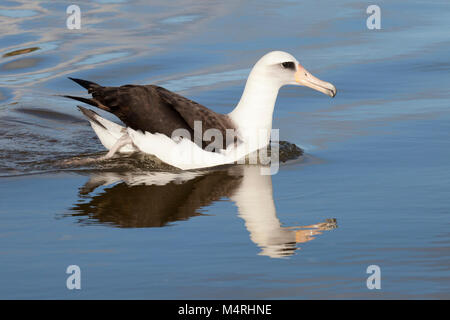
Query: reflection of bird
pixel 254 199
pixel 153 114
pixel 155 199
pixel 151 199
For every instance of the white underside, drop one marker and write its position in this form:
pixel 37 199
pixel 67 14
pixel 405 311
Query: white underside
pixel 183 154
pixel 109 136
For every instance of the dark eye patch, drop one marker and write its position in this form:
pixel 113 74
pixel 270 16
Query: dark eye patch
pixel 288 65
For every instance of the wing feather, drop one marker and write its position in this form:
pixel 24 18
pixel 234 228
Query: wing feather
pixel 154 109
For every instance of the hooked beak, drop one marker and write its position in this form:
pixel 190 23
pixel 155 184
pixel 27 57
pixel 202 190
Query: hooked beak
pixel 304 78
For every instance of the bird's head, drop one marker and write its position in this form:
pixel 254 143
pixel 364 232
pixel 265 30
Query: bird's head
pixel 283 69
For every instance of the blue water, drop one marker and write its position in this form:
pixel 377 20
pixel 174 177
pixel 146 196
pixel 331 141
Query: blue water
pixel 377 156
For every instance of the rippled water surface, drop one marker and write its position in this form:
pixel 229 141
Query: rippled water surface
pixel 373 187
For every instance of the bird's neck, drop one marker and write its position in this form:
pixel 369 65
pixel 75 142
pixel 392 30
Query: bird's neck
pixel 255 109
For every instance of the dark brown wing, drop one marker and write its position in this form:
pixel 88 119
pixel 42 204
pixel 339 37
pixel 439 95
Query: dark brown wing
pixel 192 111
pixel 155 109
pixel 141 108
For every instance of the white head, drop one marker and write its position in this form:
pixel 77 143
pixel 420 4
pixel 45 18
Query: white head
pixel 280 69
pixel 270 73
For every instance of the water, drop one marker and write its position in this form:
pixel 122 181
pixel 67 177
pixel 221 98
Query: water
pixel 372 189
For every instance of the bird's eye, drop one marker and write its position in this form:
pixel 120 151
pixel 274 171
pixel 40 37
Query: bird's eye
pixel 288 65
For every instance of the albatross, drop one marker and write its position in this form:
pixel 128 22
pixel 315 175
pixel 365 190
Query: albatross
pixel 152 114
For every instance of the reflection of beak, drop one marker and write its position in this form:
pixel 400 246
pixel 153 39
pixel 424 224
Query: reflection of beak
pixel 304 78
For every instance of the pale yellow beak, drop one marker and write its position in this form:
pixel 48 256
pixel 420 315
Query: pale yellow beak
pixel 304 78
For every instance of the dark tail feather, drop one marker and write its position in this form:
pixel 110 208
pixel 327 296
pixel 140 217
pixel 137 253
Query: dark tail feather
pixel 91 86
pixel 84 83
pixel 90 115
pixel 91 102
